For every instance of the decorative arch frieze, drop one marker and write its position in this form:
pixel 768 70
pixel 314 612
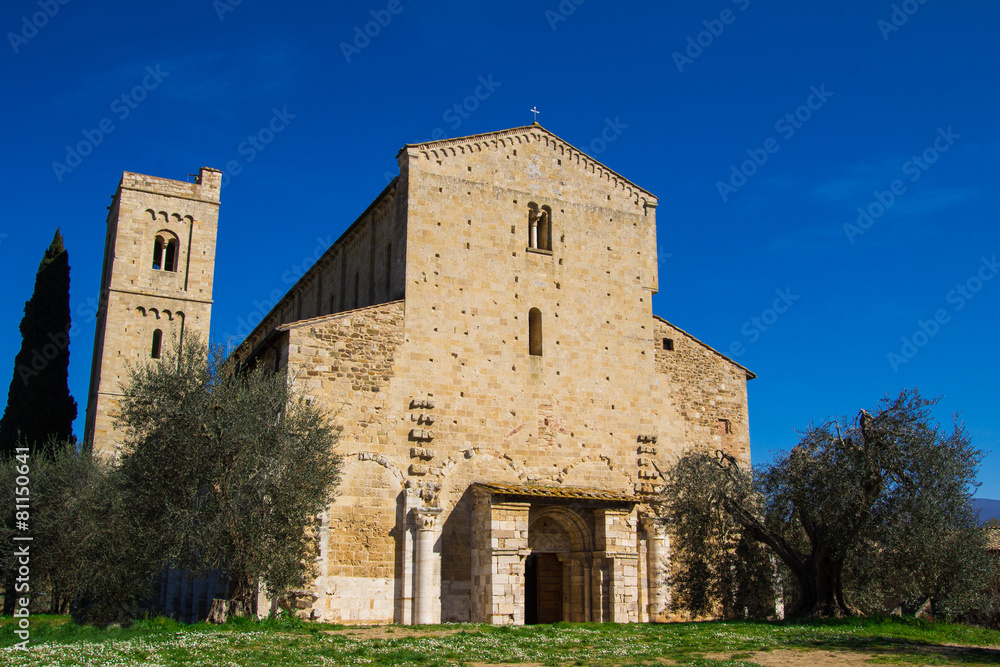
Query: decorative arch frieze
pixel 451 462
pixel 614 467
pixel 384 462
pixel 510 138
pixel 166 217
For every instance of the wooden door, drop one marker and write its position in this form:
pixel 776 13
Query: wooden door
pixel 549 576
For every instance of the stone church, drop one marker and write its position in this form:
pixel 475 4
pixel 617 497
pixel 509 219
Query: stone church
pixel 483 337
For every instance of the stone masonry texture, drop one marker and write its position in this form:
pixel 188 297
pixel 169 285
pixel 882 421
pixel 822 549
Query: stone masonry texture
pixel 415 331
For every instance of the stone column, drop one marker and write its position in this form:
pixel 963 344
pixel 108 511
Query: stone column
pixel 499 549
pixel 657 561
pixel 616 539
pixel 428 588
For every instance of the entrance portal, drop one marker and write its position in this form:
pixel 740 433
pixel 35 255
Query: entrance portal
pixel 549 554
pixel 543 589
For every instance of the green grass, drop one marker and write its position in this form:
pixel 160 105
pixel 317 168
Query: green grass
pixel 56 641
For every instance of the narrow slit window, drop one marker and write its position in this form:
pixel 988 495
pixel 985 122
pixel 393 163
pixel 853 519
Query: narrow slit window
pixel 724 427
pixel 668 344
pixel 388 272
pixel 157 253
pixel 157 344
pixel 535 332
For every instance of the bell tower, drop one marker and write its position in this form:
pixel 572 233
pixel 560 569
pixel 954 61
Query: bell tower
pixel 156 284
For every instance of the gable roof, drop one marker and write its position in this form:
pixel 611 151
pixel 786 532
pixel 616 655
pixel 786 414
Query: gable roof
pixel 533 132
pixel 322 319
pixel 750 374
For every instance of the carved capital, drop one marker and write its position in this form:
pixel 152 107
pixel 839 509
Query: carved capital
pixel 654 526
pixel 425 518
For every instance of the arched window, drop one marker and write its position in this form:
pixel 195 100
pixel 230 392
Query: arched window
pixel 157 344
pixel 535 332
pixel 539 227
pixel 165 251
pixel 170 260
pixel 545 228
pixel 158 253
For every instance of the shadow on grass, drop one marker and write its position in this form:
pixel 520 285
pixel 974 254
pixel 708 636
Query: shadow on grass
pixel 909 650
pixel 936 643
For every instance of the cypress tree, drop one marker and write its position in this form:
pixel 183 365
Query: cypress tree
pixel 39 405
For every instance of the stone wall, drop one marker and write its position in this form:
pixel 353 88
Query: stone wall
pixel 471 282
pixel 346 363
pixel 500 540
pixel 364 267
pixel 137 298
pixel 444 393
pixel 704 393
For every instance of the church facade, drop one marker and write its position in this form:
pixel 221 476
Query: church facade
pixel 505 399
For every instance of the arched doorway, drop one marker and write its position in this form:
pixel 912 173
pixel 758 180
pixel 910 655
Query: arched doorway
pixel 543 594
pixel 557 538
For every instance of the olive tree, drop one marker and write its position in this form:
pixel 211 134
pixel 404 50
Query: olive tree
pixel 863 511
pixel 219 469
pixel 65 483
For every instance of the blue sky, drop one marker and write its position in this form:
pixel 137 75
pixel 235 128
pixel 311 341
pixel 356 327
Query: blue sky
pixel 763 127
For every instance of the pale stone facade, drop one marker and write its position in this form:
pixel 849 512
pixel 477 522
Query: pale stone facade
pixel 467 457
pixel 156 284
pixel 505 399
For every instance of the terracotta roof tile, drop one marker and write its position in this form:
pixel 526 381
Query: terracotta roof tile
pixel 571 492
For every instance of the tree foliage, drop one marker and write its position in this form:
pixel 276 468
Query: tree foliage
pixel 217 470
pixel 39 407
pixel 861 513
pixel 224 470
pixel 65 485
pixel 717 567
